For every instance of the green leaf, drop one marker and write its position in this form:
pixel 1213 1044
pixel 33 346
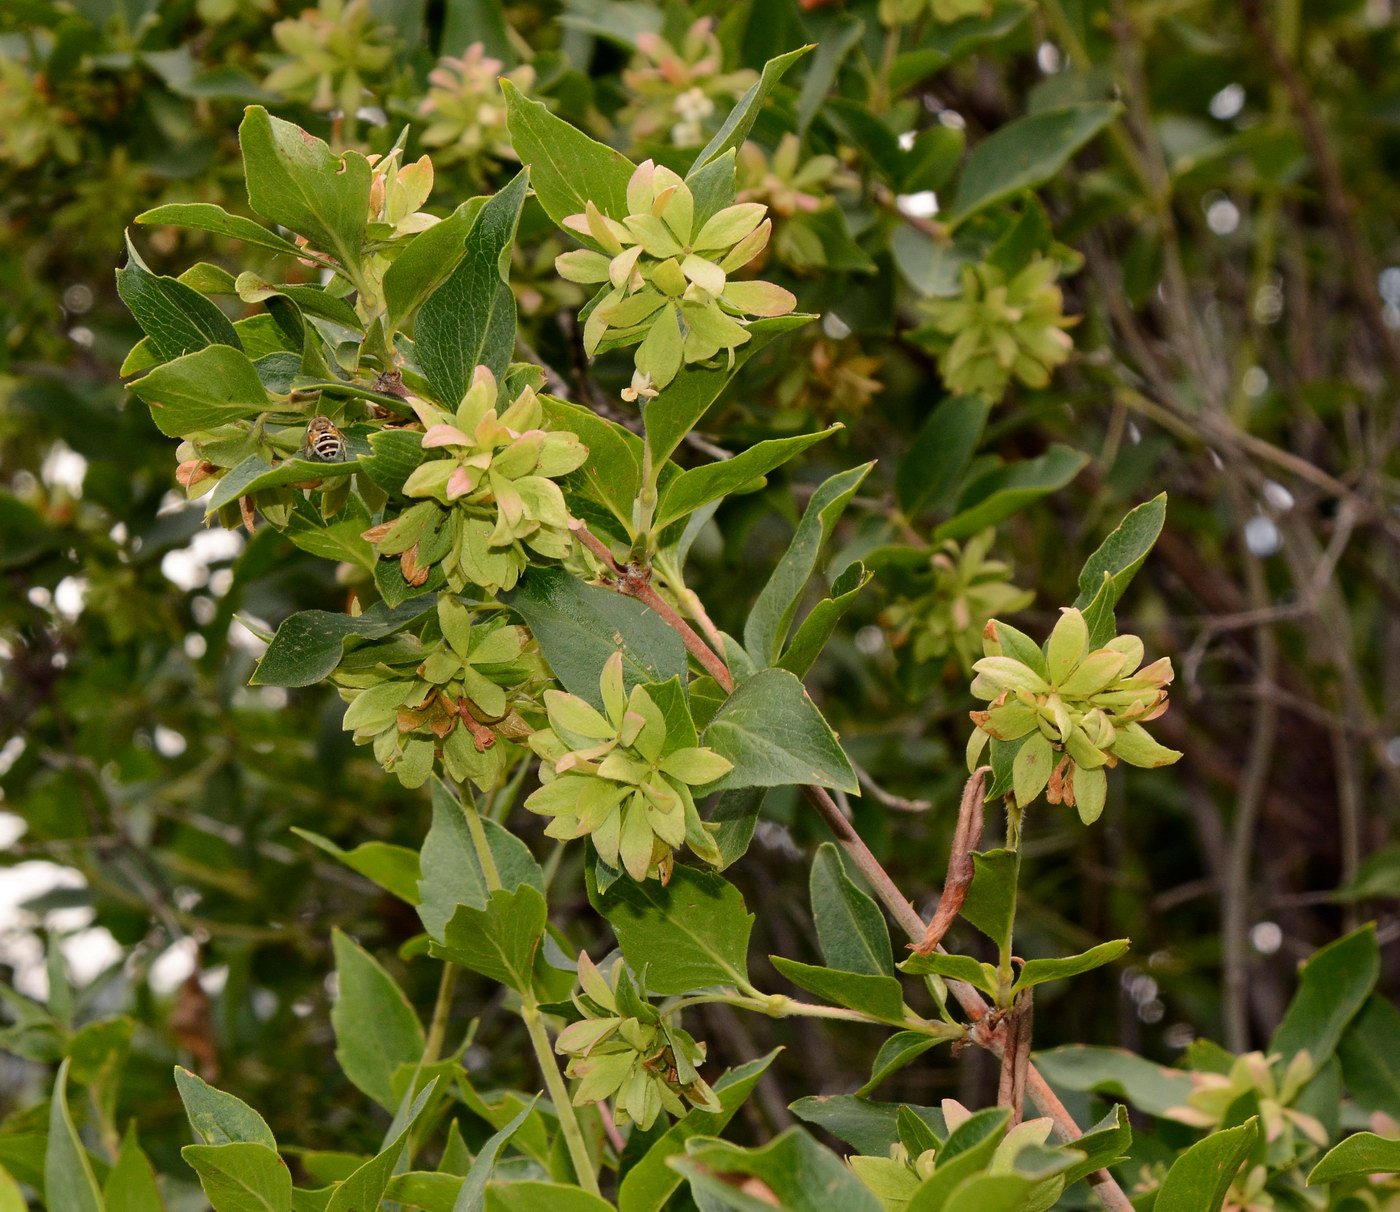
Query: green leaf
pixel 1117 1073
pixel 990 904
pixel 689 396
pixel 255 474
pixel 567 168
pixel 12 1198
pixel 817 628
pixel 1038 971
pixel 202 390
pixel 241 1177
pixel 131 1183
pixel 741 118
pixel 469 320
pixel 1336 981
pixel 612 476
pixel 1359 1155
pixel 426 261
pixel 990 1193
pixel 176 319
pixel 902 1048
pixel 868 1127
pixel 735 813
pixel 308 645
pixel 994 497
pixel 396 452
pixel 1370 1062
pixel 966 1152
pixel 1024 154
pixel 472 1196
pixel 220 1118
pixel 340 540
pixel 940 453
pixel 452 873
pixel 205 216
pixel 580 626
pixel 1105 1144
pixel 688 934
pixel 1108 572
pixel 954 967
pixel 542 1197
pixel 376 1029
pixel 651 1182
pixel 363 1190
pixel 498 941
pixel 879 996
pixel 714 481
pixel 773 733
pixel 309 300
pixel 468 21
pixel 803 1175
pixel 851 930
pixel 767 625
pixel 69 1182
pixel 296 180
pixel 1200 1178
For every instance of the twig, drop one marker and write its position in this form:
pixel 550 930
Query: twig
pixel 1016 1059
pixel 887 798
pixel 1106 1188
pixel 960 865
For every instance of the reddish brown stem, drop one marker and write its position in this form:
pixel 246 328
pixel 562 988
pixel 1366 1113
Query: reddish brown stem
pixel 635 584
pixel 960 866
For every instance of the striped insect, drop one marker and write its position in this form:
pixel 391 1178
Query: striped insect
pixel 324 442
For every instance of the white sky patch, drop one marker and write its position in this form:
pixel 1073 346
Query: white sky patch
pixel 64 468
pixel 168 742
pixel 1228 102
pixel 906 139
pixel 69 595
pixel 172 967
pixel 1261 536
pixel 922 205
pixel 20 945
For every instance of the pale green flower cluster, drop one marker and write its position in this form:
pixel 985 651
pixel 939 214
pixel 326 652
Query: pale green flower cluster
pixel 1078 710
pixel 623 777
pixel 895 1178
pixel 675 90
pixel 331 50
pixel 451 692
pixel 665 271
pixel 1273 1085
pixel 32 127
pixel 623 1048
pixel 491 502
pixel 1001 328
pixel 466 118
pixel 964 589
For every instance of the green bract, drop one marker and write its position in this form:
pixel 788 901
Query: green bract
pixel 675 90
pixel 623 1047
pixel 896 1177
pixel 1274 1087
pixel 1087 706
pixel 966 590
pixel 330 50
pixel 491 502
pixel 455 693
pixel 1000 329
pixel 622 777
pixel 464 111
pixel 666 271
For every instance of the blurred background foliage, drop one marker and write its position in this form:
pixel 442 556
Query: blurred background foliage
pixel 1214 202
